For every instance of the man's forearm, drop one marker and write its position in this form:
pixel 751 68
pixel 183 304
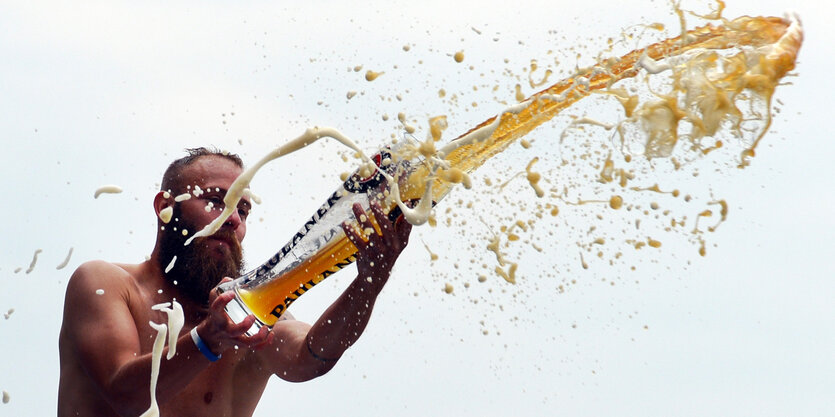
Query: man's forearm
pixel 345 320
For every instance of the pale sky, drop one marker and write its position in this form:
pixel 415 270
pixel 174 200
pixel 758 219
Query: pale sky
pixel 99 93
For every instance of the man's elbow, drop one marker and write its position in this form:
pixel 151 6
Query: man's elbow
pixel 305 373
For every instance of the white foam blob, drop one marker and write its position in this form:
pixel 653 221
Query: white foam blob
pixel 166 213
pixel 66 260
pixel 176 319
pixel 107 189
pixel 171 264
pixel 34 261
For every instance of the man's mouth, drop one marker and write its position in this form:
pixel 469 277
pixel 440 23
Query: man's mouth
pixel 225 239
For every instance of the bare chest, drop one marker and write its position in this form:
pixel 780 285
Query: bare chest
pixel 231 386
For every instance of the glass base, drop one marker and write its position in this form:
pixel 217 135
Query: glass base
pixel 237 311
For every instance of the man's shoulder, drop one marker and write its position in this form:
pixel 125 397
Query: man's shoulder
pixel 103 275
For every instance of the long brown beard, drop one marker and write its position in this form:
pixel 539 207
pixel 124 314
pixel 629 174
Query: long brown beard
pixel 197 271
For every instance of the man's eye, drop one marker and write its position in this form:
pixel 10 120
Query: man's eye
pixel 243 213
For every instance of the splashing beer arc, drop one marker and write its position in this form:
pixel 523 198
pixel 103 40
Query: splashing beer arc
pixel 709 82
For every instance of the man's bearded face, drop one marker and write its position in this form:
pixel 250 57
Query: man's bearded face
pixel 199 266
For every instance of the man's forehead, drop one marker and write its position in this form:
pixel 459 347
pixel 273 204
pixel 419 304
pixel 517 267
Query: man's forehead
pixel 211 171
pixel 212 174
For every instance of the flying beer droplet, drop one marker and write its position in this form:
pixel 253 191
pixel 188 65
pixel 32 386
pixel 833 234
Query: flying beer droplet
pixel 372 75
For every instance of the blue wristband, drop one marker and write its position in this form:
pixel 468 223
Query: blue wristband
pixel 202 346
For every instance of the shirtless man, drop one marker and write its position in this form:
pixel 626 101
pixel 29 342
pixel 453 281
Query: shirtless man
pixel 106 342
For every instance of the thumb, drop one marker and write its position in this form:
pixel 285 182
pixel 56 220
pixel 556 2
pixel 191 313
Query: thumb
pixel 216 292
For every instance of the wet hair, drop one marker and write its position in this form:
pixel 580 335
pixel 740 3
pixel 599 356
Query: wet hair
pixel 171 177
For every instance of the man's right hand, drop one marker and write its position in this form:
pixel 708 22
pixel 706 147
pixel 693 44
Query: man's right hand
pixel 220 333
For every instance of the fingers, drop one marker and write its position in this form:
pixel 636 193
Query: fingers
pixel 238 329
pixel 367 229
pixel 396 235
pixel 382 219
pixel 390 239
pixel 256 341
pixel 351 232
pixel 225 332
pixel 361 235
pixel 219 303
pixel 265 334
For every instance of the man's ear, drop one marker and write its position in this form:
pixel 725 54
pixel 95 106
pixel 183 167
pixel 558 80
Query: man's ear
pixel 161 203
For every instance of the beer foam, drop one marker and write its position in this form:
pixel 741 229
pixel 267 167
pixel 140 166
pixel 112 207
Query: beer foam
pixel 171 264
pixel 654 124
pixel 166 213
pixel 236 191
pixel 176 319
pixel 156 358
pixel 372 75
pixel 34 261
pixel 182 197
pixel 432 255
pixel 533 68
pixel 8 314
pixel 100 291
pixel 765 62
pixel 66 260
pixel 252 196
pixel 107 189
pixel 402 118
pixel 6 397
pixel 533 178
pixel 652 66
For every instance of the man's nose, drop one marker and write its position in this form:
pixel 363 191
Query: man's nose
pixel 234 221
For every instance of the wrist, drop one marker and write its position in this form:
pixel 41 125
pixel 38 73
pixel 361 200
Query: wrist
pixel 373 274
pixel 203 347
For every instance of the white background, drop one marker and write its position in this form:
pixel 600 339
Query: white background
pixel 97 93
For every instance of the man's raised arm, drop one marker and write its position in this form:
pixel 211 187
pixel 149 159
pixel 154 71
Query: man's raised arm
pixel 301 352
